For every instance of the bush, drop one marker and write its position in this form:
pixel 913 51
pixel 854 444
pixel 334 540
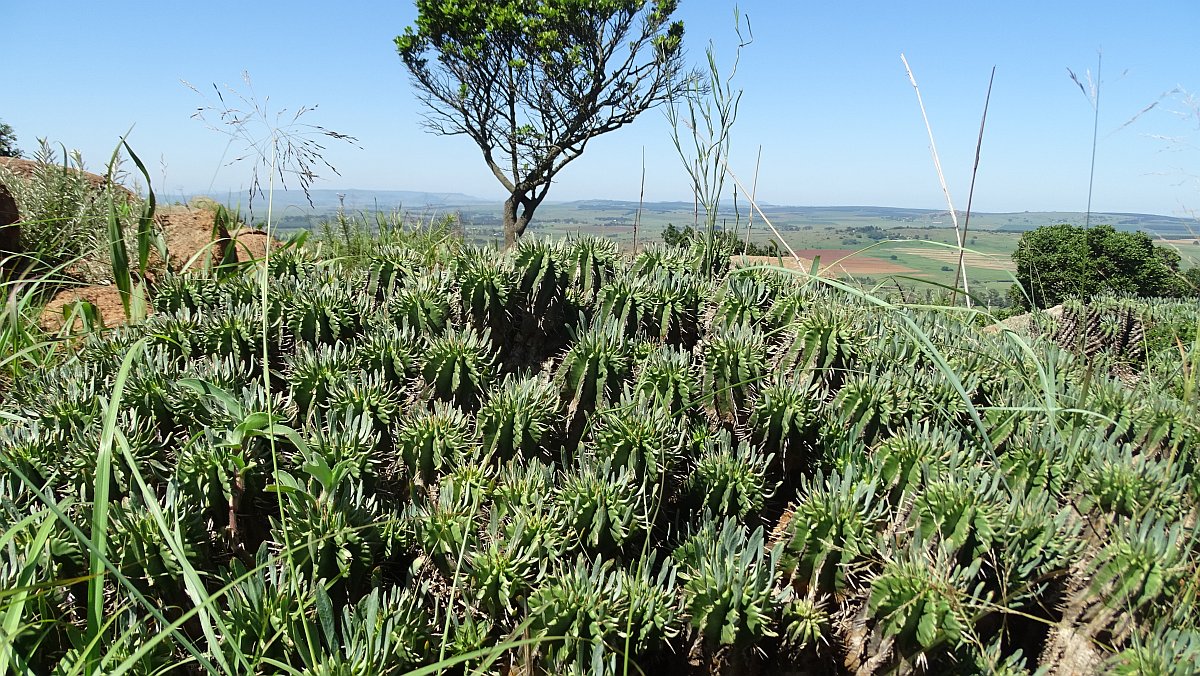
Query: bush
pixel 1055 262
pixel 64 217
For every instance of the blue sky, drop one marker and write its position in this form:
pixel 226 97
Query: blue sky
pixel 826 97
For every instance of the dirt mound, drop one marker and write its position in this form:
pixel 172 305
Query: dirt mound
pixel 1023 323
pixel 106 299
pixel 190 237
pixel 252 244
pixel 27 168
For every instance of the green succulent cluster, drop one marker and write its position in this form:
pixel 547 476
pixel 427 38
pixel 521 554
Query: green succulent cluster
pixel 563 459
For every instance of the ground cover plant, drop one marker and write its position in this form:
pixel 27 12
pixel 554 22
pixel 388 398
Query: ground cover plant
pixel 561 458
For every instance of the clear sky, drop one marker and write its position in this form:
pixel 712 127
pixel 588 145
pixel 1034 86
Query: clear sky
pixel 826 97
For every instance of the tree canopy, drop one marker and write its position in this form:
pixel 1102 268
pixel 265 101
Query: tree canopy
pixel 532 81
pixel 8 141
pixel 1055 262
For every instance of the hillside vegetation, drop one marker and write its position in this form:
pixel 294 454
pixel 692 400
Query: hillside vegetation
pixel 412 451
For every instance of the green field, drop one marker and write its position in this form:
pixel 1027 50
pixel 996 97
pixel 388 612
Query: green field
pixel 880 244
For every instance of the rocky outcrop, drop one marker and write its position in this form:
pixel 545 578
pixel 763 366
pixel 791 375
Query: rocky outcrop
pixel 193 236
pixel 10 231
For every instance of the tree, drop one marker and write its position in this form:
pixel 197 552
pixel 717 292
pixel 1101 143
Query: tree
pixel 1057 261
pixel 8 141
pixel 532 81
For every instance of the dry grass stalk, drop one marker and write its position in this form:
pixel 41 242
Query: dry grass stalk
pixel 937 164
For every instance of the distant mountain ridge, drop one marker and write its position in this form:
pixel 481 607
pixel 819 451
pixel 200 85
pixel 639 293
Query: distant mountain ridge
pixel 359 200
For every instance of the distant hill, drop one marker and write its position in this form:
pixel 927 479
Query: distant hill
pixel 482 211
pixel 359 200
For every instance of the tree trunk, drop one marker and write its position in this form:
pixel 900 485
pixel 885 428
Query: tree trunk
pixel 515 223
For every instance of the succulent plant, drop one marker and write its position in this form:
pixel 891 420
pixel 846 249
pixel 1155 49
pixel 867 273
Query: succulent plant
pixel 541 278
pixel 667 378
pixel 672 305
pixel 730 479
pixel 429 441
pixel 734 366
pixel 176 292
pixel 624 302
pixel 458 367
pixel 639 435
pixel 784 421
pixel 518 417
pixel 486 284
pixel 590 262
pixel 422 306
pixel 593 370
pixel 728 576
pixel 669 259
pixel 392 352
pixel 824 346
pixel 806 622
pixel 831 527
pixel 919 603
pixel 314 372
pixel 391 267
pixel 500 572
pixel 743 300
pixel 604 506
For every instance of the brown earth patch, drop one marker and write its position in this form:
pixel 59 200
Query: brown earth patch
pixel 106 299
pixel 10 231
pixel 252 244
pixel 26 168
pixel 190 238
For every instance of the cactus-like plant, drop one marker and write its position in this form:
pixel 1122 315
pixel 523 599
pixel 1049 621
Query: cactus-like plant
pixel 639 435
pixel 392 352
pixel 391 267
pixel 485 285
pixel 672 307
pixel 624 302
pixel 365 394
pixel 734 366
pixel 744 300
pixel 784 421
pixel 313 373
pixel 518 417
pixel 920 603
pixel 542 280
pixel 730 479
pixel 175 292
pixel 429 441
pixel 728 579
pixel 594 369
pixel 590 262
pixel 829 529
pixel 458 366
pixel 667 378
pixel 605 507
pixel 422 306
